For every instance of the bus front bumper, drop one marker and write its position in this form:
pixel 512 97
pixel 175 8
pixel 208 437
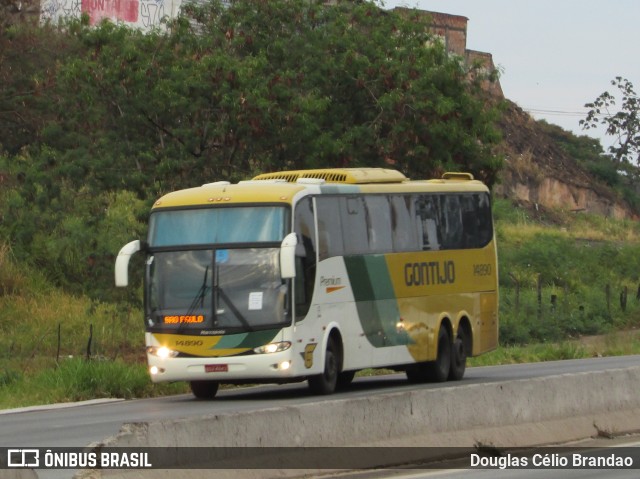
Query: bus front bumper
pixel 259 367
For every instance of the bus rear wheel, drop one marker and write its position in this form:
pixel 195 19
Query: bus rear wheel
pixel 458 358
pixel 204 389
pixel 435 371
pixel 326 382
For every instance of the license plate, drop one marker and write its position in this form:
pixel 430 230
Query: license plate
pixel 216 368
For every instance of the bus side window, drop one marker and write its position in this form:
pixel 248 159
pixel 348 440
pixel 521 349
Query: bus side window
pixel 378 223
pixel 470 221
pixel 329 227
pixel 476 220
pixel 403 230
pixel 354 218
pixel 485 224
pixel 304 227
pixel 427 211
pixel 451 222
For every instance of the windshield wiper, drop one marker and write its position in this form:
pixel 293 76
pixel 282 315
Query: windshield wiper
pixel 202 292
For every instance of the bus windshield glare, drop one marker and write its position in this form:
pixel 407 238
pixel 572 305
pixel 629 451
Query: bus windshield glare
pixel 244 224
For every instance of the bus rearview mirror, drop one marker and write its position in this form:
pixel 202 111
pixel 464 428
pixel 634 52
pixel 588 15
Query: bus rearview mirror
pixel 122 263
pixel 288 256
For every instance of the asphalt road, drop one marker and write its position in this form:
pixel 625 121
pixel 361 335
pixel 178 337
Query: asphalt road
pixel 77 425
pixel 80 425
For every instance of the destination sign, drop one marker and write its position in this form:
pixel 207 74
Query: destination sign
pixel 187 318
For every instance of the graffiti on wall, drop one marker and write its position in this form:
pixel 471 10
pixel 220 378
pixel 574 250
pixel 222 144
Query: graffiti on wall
pixel 151 12
pixel 53 10
pixel 118 10
pixel 143 14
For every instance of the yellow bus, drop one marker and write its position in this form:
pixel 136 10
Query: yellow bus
pixel 317 274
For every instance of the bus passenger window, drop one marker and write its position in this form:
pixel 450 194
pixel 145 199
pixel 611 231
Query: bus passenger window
pixel 451 222
pixel 354 224
pixel 483 213
pixel 427 211
pixel 470 221
pixel 378 219
pixel 403 230
pixel 329 227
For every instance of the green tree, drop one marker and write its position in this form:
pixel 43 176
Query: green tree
pixel 623 124
pixel 221 93
pixel 28 57
pixel 258 86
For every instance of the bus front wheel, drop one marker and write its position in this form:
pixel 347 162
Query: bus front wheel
pixel 326 382
pixel 204 389
pixel 344 379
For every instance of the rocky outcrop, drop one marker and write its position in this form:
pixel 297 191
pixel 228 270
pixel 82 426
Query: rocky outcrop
pixel 537 171
pixel 552 192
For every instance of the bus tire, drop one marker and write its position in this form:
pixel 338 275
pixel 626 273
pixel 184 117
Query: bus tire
pixel 458 358
pixel 204 389
pixel 326 383
pixel 415 373
pixel 434 371
pixel 438 370
pixel 344 379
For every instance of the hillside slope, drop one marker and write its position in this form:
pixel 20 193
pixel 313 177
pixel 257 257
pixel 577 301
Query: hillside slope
pixel 539 172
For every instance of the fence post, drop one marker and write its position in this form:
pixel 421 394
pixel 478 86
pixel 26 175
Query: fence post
pixel 623 299
pixel 539 286
pixel 59 339
pixel 89 342
pixel 517 283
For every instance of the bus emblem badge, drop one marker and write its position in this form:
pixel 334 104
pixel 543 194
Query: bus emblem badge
pixel 308 355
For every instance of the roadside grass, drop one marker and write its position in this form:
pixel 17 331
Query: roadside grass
pixel 518 224
pixel 613 344
pixel 77 379
pixel 565 275
pixel 41 325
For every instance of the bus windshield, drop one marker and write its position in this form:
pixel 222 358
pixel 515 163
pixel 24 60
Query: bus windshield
pixel 242 224
pixel 208 271
pixel 223 289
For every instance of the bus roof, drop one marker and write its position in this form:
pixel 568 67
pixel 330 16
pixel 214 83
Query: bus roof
pixel 338 175
pixel 222 193
pixel 282 187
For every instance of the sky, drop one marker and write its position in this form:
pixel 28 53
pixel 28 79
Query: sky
pixel 555 55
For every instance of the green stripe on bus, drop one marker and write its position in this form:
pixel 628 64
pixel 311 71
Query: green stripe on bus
pixel 246 340
pixel 375 300
pixel 259 338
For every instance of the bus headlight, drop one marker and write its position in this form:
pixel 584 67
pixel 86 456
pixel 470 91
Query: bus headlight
pixel 162 352
pixel 272 347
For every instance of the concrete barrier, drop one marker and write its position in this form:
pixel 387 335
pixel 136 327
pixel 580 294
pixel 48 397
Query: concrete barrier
pixel 504 414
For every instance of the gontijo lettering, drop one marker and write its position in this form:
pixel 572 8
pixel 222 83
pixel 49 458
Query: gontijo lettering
pixel 429 273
